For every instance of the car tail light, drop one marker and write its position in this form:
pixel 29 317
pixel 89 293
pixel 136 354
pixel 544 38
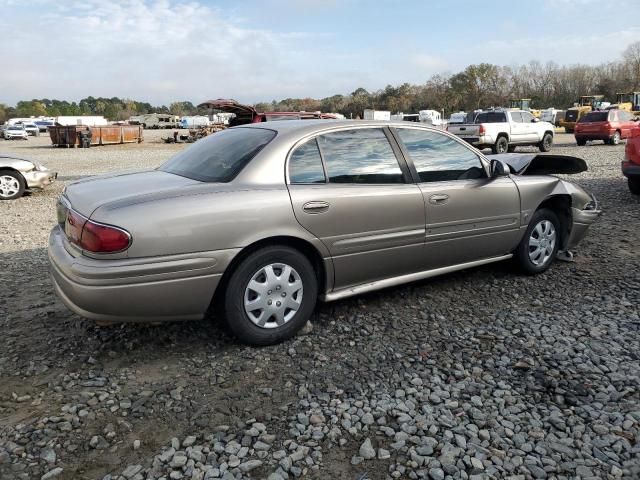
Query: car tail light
pixel 100 238
pixel 95 237
pixel 481 129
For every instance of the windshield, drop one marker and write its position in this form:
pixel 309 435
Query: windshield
pixel 594 117
pixel 219 157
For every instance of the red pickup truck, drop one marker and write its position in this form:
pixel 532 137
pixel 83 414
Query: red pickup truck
pixel 608 125
pixel 631 163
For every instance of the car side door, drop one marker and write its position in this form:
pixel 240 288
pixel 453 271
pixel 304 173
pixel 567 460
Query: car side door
pixel 352 189
pixel 469 215
pixel 532 131
pixel 518 129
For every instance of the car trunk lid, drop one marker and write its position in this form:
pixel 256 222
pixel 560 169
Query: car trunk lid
pixel 85 196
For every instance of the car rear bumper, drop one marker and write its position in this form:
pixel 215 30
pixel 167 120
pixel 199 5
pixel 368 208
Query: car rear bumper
pixel 593 136
pixel 177 287
pixel 630 169
pixel 39 179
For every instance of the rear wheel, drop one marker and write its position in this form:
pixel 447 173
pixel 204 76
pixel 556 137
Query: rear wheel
pixel 501 145
pixel 634 185
pixel 12 185
pixel 581 142
pixel 615 140
pixel 270 295
pixel 539 246
pixel 546 143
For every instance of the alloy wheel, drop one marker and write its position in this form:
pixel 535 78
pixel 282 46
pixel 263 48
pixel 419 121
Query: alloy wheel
pixel 9 186
pixel 542 242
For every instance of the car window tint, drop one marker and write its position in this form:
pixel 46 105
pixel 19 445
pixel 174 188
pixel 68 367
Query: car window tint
pixel 305 164
pixel 438 157
pixel 360 156
pixel 219 157
pixel 516 117
pixel 491 117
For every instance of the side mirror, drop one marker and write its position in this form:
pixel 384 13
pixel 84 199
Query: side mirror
pixel 498 169
pixel 535 120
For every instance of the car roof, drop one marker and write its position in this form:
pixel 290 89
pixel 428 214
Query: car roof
pixel 307 127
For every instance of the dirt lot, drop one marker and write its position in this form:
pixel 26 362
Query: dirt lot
pixel 480 374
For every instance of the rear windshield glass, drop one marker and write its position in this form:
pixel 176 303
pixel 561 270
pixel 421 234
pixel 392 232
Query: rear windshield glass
pixel 491 117
pixel 219 157
pixel 594 117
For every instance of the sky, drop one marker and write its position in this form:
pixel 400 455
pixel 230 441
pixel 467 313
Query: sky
pixel 260 50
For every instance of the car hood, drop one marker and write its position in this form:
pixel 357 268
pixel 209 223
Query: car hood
pixel 85 196
pixel 541 164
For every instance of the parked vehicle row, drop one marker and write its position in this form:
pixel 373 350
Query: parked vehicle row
pixel 289 212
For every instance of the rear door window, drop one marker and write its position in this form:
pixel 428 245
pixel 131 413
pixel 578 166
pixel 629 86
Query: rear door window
pixel 305 164
pixel 438 157
pixel 361 155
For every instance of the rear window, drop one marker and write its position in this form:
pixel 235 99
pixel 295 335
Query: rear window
pixel 571 115
pixel 594 117
pixel 491 117
pixel 219 157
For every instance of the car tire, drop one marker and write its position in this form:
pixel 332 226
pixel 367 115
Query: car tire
pixel 581 142
pixel 546 143
pixel 12 185
pixel 501 145
pixel 634 185
pixel 615 140
pixel 264 270
pixel 534 258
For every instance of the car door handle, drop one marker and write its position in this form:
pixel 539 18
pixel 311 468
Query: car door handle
pixel 438 199
pixel 315 207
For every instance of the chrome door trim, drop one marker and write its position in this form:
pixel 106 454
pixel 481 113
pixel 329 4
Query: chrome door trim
pixel 411 277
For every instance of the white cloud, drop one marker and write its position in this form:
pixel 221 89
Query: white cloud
pixel 149 50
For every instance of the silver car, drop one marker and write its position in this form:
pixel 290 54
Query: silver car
pixel 18 175
pixel 259 221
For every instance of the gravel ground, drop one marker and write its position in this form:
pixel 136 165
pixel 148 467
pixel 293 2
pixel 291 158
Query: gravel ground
pixel 480 374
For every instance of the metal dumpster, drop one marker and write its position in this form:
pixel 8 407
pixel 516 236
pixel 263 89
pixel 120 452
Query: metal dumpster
pixel 67 136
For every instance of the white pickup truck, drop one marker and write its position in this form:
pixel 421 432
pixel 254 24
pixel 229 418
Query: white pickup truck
pixel 503 130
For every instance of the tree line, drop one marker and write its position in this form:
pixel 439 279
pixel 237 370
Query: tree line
pixel 477 86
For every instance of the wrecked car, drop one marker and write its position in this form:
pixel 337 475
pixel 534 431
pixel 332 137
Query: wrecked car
pixel 259 221
pixel 18 175
pixel 245 114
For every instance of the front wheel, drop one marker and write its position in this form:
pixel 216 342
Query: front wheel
pixel 12 185
pixel 546 143
pixel 501 145
pixel 270 295
pixel 634 185
pixel 539 246
pixel 581 142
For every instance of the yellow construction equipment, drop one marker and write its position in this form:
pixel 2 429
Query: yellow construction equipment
pixel 586 104
pixel 629 101
pixel 523 104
